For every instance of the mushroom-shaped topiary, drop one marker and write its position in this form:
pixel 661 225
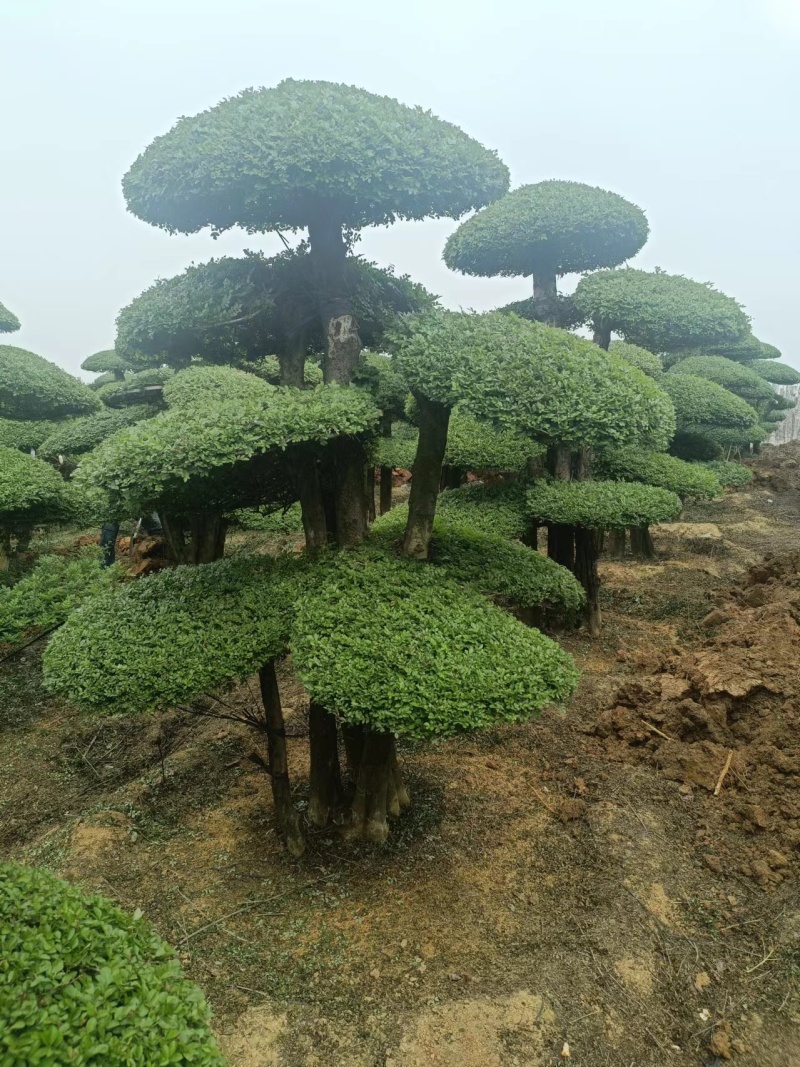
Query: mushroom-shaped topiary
pixel 647 362
pixel 83 982
pixel 34 388
pixel 736 377
pixel 107 362
pixel 708 413
pixel 776 373
pixel 397 648
pixel 32 494
pixel 545 231
pixel 144 387
pixel 590 507
pixel 77 436
pixel 659 311
pixel 9 323
pixel 689 481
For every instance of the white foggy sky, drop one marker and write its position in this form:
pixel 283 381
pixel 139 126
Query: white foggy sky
pixel 686 107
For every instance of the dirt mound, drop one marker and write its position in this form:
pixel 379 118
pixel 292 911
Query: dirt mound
pixel 778 467
pixel 723 720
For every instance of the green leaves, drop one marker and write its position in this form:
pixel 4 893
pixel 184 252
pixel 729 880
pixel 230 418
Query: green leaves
pixel 31 492
pixel 690 481
pixel 773 371
pixel 105 362
pixel 601 505
pixel 659 311
pixel 9 323
pixel 647 362
pixel 551 228
pixel 82 982
pixel 396 646
pixel 736 377
pixel 77 436
pixel 704 408
pixel 34 388
pixel 472 445
pixel 271 159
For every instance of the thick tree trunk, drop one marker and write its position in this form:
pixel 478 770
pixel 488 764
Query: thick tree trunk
pixel 325 775
pixel 561 545
pixel 350 505
pixel 353 737
pixel 434 420
pixel 206 541
pixel 545 293
pixel 452 477
pixel 286 814
pixel 602 333
pixel 642 546
pixel 586 573
pixel 616 543
pixel 293 363
pixel 312 506
pixel 369 813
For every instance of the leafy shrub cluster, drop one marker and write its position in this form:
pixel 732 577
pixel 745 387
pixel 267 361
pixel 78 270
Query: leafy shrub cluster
pixel 77 436
pixel 647 362
pixel 34 388
pixel 730 475
pixel 24 434
pixel 9 323
pixel 736 377
pixel 289 521
pixel 689 481
pixel 138 388
pixel 773 371
pixel 472 445
pixel 490 509
pixel 82 982
pixel 702 406
pixel 398 646
pixel 505 570
pixel 31 491
pixel 105 362
pixel 379 374
pixel 47 594
pixel 601 505
pixel 202 385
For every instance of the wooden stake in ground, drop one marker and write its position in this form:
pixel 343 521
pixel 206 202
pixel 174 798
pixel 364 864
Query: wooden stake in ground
pixel 723 772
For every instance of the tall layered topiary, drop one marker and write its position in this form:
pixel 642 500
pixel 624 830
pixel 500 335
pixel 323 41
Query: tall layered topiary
pixel 82 982
pixel 658 311
pixel 544 231
pixel 9 323
pixel 326 158
pixel 708 417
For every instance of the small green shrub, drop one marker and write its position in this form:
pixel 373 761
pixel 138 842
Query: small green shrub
pixel 137 388
pixel 51 591
pixel 82 982
pixel 601 505
pixel 202 385
pixel 105 362
pixel 507 571
pixel 729 474
pixel 31 492
pixel 35 388
pixel 398 647
pixel 688 480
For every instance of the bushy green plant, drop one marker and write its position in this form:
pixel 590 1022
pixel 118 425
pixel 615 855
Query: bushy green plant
pixel 689 481
pixel 77 436
pixel 105 362
pixel 647 362
pixel 601 505
pixel 553 227
pixel 50 592
pixel 472 445
pixel 379 374
pixel 659 311
pixel 34 388
pixel 31 492
pixel 773 371
pixel 702 406
pixel 143 387
pixel 203 385
pixel 505 570
pixel 82 982
pixel 493 509
pixel 197 629
pixel 24 434
pixel 289 521
pixel 9 323
pixel 397 647
pixel 537 380
pixel 730 475
pixel 399 450
pixel 736 377
pixel 559 311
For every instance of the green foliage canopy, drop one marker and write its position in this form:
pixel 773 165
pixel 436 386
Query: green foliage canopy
pixel 735 377
pixel 31 492
pixel 472 445
pixel 659 311
pixel 689 481
pixel 77 436
pixel 273 159
pixel 729 474
pixel 601 505
pixel 9 323
pixel 398 647
pixel 34 388
pixel 498 510
pixel 144 387
pixel 24 434
pixel 84 983
pixel 702 406
pixel 379 374
pixel 647 362
pixel 106 361
pixel 773 371
pixel 553 227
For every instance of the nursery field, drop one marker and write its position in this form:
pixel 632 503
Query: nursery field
pixel 620 875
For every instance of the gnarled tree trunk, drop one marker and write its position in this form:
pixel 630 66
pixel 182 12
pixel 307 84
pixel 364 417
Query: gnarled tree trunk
pixel 616 543
pixel 206 536
pixel 286 815
pixel 434 419
pixel 602 333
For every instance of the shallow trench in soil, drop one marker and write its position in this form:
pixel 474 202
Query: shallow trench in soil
pixel 561 881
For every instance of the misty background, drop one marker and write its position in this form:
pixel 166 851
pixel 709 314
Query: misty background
pixel 687 107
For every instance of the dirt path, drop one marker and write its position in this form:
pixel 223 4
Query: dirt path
pixel 556 882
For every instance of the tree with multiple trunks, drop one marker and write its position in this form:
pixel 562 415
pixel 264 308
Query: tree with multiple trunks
pixel 544 231
pixel 660 312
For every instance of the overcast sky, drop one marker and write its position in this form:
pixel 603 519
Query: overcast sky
pixel 686 107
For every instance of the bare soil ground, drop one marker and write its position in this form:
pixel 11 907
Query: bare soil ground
pixel 575 879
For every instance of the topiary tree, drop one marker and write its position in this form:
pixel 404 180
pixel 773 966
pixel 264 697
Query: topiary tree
pixel 82 982
pixel 79 436
pixel 107 362
pixel 708 417
pixel 545 231
pixel 776 373
pixel 591 507
pixel 25 434
pixel 34 388
pixel 143 387
pixel 327 158
pixel 658 311
pixel 736 377
pixel 647 362
pixel 32 494
pixel 9 323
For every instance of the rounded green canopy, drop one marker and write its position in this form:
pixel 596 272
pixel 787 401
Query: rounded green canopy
pixel 776 373
pixel 599 505
pixel 472 445
pixel 9 323
pixel 736 377
pixel 85 983
pixel 702 405
pixel 659 311
pixel 31 492
pixel 689 481
pixel 76 436
pixel 544 382
pixel 279 158
pixel 553 227
pixel 647 362
pixel 239 310
pixel 35 388
pixel 26 435
pixel 106 361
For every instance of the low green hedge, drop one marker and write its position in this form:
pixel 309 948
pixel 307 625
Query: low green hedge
pixel 83 983
pixel 601 505
pixel 730 475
